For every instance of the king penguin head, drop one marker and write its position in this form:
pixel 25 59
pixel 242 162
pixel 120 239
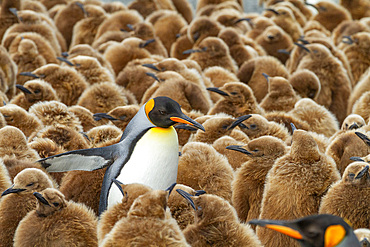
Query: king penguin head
pixel 164 112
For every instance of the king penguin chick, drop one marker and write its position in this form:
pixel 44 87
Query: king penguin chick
pixel 357 8
pixel 5 181
pixel 280 97
pixel 359 91
pixel 249 180
pixel 152 123
pixel 251 73
pixel 18 200
pixel 305 83
pixel 85 116
pixel 318 117
pixel 8 73
pixel 315 230
pixel 53 210
pixel 105 96
pixel 34 91
pixel 363 235
pixel 201 28
pixel 305 174
pixel 110 217
pixel 104 135
pixel 238 100
pixel 203 168
pixel 235 159
pixel 147 224
pixel 348 197
pixel 13 144
pixel 353 121
pixel 348 28
pixel 54 113
pixel 216 224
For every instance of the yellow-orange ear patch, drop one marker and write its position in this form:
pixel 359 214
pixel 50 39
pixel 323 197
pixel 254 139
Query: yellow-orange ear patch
pixel 334 235
pixel 286 230
pixel 149 106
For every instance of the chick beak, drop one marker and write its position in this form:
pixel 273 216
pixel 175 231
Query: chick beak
pixel 29 74
pixel 182 118
pixel 119 185
pixel 279 227
pixel 363 173
pixel 354 158
pixel 23 89
pixel 100 116
pixel 312 5
pixel 41 198
pixel 239 149
pixel 238 121
pixel 169 189
pixel 363 137
pixel 273 11
pixel 217 90
pixel 150 66
pixel 12 190
pixel 302 46
pixel 188 197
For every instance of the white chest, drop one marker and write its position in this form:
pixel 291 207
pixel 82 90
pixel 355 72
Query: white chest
pixel 153 162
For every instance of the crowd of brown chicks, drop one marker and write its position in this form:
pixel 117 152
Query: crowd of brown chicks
pixel 74 73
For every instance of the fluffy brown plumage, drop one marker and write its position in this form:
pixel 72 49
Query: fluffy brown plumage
pixel 216 224
pixel 348 197
pixel 102 135
pixel 18 117
pixel 202 168
pixel 249 181
pixel 236 159
pixel 147 224
pixel 18 203
pixel 5 181
pixel 8 73
pixel 359 91
pixel 347 28
pixel 238 100
pixel 68 223
pixel 353 121
pixel 259 25
pixel 85 116
pixel 357 8
pixel 119 116
pixel 305 83
pixel 34 91
pixel 251 74
pixel 201 28
pixel 145 8
pixel 7 18
pixel 305 174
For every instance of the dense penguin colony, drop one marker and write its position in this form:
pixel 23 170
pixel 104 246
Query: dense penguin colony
pixel 283 97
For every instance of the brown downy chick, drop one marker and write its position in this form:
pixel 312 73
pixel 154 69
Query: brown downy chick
pixel 238 100
pixel 361 88
pixel 203 3
pixel 188 94
pixel 103 135
pixel 305 83
pixel 27 58
pixel 5 181
pixel 217 126
pixel 216 224
pixel 8 73
pixel 145 8
pixel 285 118
pixel 250 178
pixel 358 8
pixel 119 116
pixel 68 223
pixel 330 15
pixel 85 116
pixel 119 55
pixel 112 7
pixel 237 49
pixel 352 122
pixel 356 50
pixel 92 70
pixel 105 96
pixel 13 144
pixel 281 96
pixel 276 42
pixel 18 117
pixel 360 107
pixel 201 28
pixel 18 200
pixel 299 16
pixel 259 25
pixel 256 126
pixel 363 235
pixel 235 159
pixel 318 117
pixel 118 211
pixel 181 44
pixel 67 17
pixel 64 136
pixel 15 166
pixel 34 91
pixel 335 83
pixel 213 51
pixel 181 210
pixel 348 197
pixel 202 168
pixel 7 17
pixel 184 8
pixel 147 223
pixel 66 81
pixel 232 18
pixel 167 24
pixel 54 113
pixel 348 28
pixel 251 73
pixel 284 18
pixel 314 28
pixel 305 174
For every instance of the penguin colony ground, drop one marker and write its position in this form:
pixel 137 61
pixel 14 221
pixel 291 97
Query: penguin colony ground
pixel 282 96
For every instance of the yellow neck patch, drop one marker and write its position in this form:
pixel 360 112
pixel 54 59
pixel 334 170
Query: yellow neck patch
pixel 334 235
pixel 148 107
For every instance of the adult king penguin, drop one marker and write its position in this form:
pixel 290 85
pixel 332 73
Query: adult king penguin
pixel 147 152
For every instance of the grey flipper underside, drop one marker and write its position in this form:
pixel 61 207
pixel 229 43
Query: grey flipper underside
pixel 83 159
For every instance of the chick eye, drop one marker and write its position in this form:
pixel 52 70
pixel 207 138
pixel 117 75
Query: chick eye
pixel 55 204
pixel 36 91
pixel 253 126
pixel 256 150
pixel 30 184
pixel 351 175
pixel 234 93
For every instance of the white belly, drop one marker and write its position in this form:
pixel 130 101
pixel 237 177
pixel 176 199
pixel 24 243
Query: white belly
pixel 154 162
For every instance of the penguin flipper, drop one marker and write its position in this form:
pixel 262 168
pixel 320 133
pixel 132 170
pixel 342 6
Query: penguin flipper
pixel 82 159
